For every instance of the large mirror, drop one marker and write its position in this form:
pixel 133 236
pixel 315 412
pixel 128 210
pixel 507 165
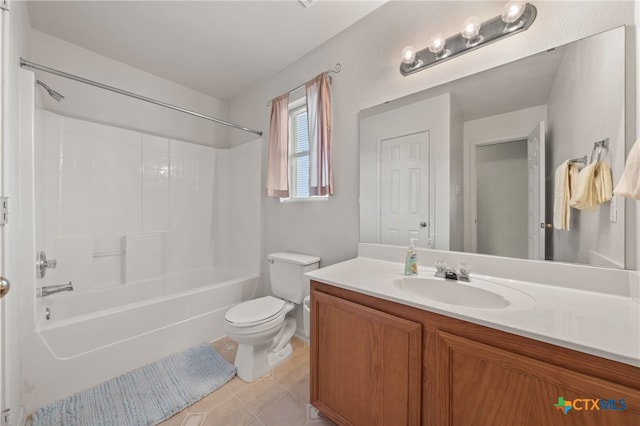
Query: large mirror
pixel 471 165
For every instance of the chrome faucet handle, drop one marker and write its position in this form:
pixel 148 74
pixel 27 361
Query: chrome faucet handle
pixel 441 268
pixel 42 264
pixel 464 272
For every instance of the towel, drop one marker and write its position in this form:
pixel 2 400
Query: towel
pixel 565 179
pixel 629 184
pixel 593 187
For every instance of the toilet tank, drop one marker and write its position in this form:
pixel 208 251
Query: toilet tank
pixel 286 271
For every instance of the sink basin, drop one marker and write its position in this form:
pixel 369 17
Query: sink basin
pixel 458 293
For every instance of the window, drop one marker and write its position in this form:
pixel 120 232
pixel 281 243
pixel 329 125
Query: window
pixel 299 152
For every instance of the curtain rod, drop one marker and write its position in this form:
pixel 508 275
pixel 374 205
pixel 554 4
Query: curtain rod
pixel 26 64
pixel 335 70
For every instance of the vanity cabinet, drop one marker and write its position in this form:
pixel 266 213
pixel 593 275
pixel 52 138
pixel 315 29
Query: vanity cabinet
pixel 375 362
pixel 367 364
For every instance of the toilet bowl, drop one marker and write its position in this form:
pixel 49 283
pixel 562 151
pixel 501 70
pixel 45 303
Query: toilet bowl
pixel 261 326
pixel 263 332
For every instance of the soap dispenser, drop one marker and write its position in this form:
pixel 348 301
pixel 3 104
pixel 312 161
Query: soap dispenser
pixel 411 261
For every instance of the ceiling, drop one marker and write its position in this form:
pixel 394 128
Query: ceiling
pixel 214 47
pixel 510 87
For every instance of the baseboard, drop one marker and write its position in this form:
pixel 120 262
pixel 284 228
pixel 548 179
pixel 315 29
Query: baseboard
pixel 300 335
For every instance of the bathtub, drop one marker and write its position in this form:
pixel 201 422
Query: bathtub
pixel 94 336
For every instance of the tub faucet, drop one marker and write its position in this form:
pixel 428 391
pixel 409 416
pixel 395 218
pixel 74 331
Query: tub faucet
pixel 461 274
pixel 52 289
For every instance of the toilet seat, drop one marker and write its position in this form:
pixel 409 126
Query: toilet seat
pixel 257 314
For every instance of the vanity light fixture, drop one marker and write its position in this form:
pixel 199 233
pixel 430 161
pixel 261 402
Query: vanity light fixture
pixel 516 16
pixel 471 31
pixel 409 55
pixel 437 45
pixel 512 11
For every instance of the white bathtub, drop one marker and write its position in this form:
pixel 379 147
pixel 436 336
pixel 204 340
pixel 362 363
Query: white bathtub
pixel 77 349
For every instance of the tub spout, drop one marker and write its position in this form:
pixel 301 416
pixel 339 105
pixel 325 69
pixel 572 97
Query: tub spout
pixel 52 289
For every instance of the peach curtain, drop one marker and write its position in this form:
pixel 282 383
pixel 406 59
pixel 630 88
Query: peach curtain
pixel 278 155
pixel 319 121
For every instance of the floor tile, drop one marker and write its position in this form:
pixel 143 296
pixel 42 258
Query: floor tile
pixel 290 373
pixel 175 420
pixel 210 401
pixel 300 389
pixel 285 411
pixel 259 394
pixel 193 419
pixel 236 385
pixel 230 412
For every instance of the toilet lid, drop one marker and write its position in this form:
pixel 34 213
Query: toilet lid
pixel 255 311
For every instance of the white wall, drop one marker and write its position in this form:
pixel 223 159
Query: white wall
pixel 90 103
pixel 600 110
pixel 369 52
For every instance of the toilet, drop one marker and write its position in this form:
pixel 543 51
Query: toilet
pixel 261 326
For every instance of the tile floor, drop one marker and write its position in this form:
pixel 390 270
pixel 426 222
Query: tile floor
pixel 279 398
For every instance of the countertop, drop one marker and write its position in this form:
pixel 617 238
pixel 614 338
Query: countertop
pixel 595 323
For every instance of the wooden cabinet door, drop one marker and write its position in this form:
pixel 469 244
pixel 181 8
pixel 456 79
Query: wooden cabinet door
pixel 483 385
pixel 365 364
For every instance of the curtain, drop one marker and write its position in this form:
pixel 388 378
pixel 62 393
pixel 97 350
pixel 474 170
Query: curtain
pixel 278 156
pixel 319 121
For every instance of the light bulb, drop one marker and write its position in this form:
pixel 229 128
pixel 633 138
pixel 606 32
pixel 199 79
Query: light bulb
pixel 512 11
pixel 436 43
pixel 409 55
pixel 471 28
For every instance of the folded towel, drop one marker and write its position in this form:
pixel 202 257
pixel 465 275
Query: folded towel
pixel 629 184
pixel 565 178
pixel 603 182
pixel 593 187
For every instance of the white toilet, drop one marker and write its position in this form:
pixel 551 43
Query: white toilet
pixel 259 326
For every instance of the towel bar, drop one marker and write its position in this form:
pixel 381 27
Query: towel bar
pixel 600 146
pixel 582 160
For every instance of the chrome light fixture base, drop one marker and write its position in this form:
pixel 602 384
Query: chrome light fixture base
pixel 491 31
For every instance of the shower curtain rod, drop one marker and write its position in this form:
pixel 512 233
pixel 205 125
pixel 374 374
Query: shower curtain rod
pixel 26 64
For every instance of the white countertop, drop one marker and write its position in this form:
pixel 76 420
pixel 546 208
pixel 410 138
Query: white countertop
pixel 599 324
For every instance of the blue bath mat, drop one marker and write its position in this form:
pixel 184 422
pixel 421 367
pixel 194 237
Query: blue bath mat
pixel 145 396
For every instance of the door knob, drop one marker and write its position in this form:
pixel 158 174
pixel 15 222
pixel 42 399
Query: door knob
pixel 5 285
pixel 545 225
pixel 423 224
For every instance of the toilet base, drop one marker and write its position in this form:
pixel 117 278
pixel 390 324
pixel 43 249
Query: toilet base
pixel 276 358
pixel 254 361
pixel 256 356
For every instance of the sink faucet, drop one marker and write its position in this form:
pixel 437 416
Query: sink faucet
pixel 461 274
pixel 52 289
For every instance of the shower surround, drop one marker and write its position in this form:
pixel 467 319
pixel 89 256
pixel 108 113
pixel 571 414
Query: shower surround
pixel 141 225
